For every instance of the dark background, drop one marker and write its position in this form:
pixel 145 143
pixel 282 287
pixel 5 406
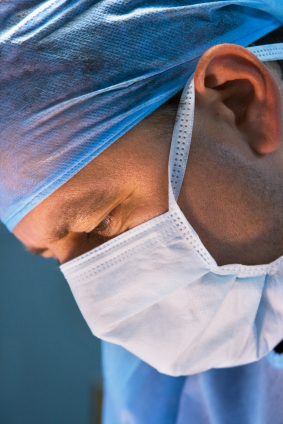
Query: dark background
pixel 50 369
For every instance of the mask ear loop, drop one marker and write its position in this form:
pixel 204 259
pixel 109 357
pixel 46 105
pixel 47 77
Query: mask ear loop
pixel 182 134
pixel 268 52
pixel 181 141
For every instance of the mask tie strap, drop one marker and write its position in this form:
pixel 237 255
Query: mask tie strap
pixel 181 141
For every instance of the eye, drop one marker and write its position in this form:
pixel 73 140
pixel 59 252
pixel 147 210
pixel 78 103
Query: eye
pixel 103 227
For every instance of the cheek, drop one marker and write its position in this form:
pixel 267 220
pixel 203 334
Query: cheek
pixel 73 245
pixel 145 203
pixel 76 244
pixel 148 208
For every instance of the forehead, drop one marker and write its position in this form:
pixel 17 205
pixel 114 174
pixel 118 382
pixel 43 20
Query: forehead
pixel 130 162
pixel 53 218
pixel 90 184
pixel 74 202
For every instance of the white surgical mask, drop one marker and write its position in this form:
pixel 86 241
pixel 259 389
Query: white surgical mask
pixel 157 291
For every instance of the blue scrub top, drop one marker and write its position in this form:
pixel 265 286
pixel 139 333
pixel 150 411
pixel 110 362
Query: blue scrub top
pixel 135 393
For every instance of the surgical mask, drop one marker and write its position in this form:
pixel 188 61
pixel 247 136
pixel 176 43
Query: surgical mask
pixel 157 291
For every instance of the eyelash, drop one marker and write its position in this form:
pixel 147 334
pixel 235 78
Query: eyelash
pixel 101 227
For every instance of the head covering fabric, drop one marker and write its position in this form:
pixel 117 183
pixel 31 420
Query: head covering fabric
pixel 78 74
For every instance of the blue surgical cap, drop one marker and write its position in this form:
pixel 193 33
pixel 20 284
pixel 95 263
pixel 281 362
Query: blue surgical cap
pixel 77 74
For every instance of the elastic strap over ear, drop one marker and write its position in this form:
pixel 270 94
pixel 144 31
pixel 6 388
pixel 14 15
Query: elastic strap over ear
pixel 181 141
pixel 268 52
pixel 182 134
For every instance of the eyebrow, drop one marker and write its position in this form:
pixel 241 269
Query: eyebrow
pixel 67 218
pixel 78 209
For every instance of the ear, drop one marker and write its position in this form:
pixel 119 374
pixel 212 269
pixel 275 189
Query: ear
pixel 236 85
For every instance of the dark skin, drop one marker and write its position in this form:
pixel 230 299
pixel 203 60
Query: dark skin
pixel 238 106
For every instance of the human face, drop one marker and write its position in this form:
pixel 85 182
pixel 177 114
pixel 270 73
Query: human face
pixel 238 100
pixel 123 187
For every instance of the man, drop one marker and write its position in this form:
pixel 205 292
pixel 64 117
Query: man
pixel 230 197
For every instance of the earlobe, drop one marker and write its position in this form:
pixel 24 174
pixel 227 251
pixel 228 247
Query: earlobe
pixel 234 81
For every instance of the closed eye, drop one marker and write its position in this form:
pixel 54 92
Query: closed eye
pixel 103 228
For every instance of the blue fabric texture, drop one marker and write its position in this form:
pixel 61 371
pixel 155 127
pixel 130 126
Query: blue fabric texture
pixel 275 359
pixel 77 74
pixel 136 393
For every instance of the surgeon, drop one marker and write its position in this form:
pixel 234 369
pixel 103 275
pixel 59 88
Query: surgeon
pixel 141 146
